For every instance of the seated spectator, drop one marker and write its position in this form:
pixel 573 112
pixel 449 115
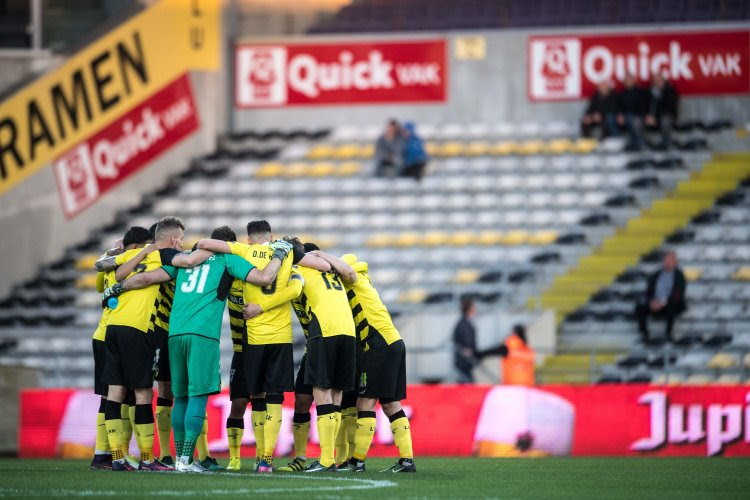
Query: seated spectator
pixel 664 297
pixel 601 112
pixel 389 150
pixel 631 106
pixel 465 343
pixel 415 157
pixel 662 108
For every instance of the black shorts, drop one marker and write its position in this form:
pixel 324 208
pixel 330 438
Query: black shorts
pixel 330 362
pixel 268 368
pixel 131 357
pixel 237 383
pixel 163 373
pixel 384 372
pixel 100 353
pixel 300 387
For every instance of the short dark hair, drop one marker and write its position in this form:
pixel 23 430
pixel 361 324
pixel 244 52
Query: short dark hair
pixel 296 243
pixel 310 246
pixel 466 304
pixel 152 230
pixel 167 224
pixel 136 235
pixel 520 330
pixel 258 227
pixel 223 233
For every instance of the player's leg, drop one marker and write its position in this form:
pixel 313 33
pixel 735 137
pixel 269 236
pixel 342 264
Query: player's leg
pixel 102 453
pixel 238 394
pixel 165 397
pixel 303 400
pixel 254 366
pixel 279 378
pixel 363 432
pixel 345 434
pixel 115 379
pixel 127 415
pixel 394 389
pixel 178 368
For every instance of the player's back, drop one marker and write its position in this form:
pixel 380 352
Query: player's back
pixel 370 314
pixel 325 299
pixel 274 326
pixel 135 308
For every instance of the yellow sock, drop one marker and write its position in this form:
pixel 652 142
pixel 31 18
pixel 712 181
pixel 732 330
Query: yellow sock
pixel 349 422
pixel 327 434
pixel 131 415
pixel 127 429
pixel 146 445
pixel 202 444
pixel 259 419
pixel 114 436
pixel 342 445
pixel 164 428
pixel 363 434
pixel 102 442
pixel 271 430
pixel 402 435
pixel 301 432
pixel 234 438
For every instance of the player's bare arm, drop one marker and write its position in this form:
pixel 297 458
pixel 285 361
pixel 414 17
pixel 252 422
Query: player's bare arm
pixel 346 272
pixel 216 246
pixel 191 259
pixel 291 292
pixel 142 280
pixel 107 261
pixel 315 262
pixel 128 267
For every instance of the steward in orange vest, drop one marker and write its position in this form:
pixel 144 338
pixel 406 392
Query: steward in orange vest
pixel 518 359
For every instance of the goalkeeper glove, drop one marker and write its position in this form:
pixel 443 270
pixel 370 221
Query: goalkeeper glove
pixel 113 291
pixel 280 249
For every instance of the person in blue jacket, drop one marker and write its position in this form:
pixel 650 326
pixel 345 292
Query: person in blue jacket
pixel 415 157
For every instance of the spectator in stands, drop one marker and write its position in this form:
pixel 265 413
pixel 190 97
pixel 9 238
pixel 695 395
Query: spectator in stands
pixel 664 297
pixel 601 112
pixel 662 108
pixel 415 157
pixel 389 150
pixel 631 106
pixel 465 343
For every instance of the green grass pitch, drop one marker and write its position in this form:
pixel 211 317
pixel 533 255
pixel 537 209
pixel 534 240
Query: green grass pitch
pixel 542 478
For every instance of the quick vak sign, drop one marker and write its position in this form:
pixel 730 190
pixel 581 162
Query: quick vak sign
pixel 697 63
pixel 338 73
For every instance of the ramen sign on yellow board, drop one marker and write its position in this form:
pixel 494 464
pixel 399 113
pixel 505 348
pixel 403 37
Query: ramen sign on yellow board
pixel 103 82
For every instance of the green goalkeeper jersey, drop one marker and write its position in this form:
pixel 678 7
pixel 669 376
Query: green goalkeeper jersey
pixel 201 294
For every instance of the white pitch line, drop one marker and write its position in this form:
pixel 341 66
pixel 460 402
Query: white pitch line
pixel 356 484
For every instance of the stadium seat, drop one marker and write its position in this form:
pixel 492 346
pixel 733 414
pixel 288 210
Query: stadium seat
pixel 86 262
pixel 86 281
pixel 724 360
pixel 465 276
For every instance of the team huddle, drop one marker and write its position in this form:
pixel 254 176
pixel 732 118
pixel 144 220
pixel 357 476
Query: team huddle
pixel 161 320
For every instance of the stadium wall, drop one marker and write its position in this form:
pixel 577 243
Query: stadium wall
pixel 488 89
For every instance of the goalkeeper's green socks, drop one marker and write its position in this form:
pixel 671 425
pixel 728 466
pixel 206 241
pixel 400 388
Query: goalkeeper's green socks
pixel 195 416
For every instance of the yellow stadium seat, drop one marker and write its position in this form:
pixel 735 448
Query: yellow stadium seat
pixel 321 169
pixel 296 169
pixel 347 151
pixel 270 169
pixel 434 238
pixel 585 146
pixel 87 281
pixel 559 146
pixel 349 168
pixel 746 360
pixel 490 238
pixel 504 148
pixel 380 240
pixel 366 150
pixel 728 379
pixel 742 274
pixel 465 276
pixel 477 148
pixel 451 148
pixel 86 262
pixel 543 238
pixel 407 239
pixel 723 360
pixel 413 296
pixel 517 237
pixel 460 238
pixel 531 147
pixel 320 151
pixel 698 379
pixel 692 273
pixel 432 148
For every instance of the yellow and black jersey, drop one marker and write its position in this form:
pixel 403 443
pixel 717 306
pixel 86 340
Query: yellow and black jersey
pixel 104 281
pixel 370 314
pixel 324 299
pixel 160 319
pixel 236 319
pixel 302 315
pixel 273 326
pixel 136 308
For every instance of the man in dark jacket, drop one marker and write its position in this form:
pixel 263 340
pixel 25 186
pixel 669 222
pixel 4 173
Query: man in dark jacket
pixel 631 106
pixel 389 150
pixel 465 343
pixel 664 297
pixel 662 108
pixel 601 112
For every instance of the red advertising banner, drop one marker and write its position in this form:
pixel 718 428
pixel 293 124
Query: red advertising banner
pixel 494 421
pixel 93 167
pixel 340 73
pixel 697 63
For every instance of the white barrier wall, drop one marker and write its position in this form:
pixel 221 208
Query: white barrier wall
pixel 490 89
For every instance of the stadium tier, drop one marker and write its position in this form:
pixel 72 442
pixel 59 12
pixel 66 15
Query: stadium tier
pixel 511 207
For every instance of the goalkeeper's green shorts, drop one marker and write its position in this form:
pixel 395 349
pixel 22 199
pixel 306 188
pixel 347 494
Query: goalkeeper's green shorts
pixel 195 366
